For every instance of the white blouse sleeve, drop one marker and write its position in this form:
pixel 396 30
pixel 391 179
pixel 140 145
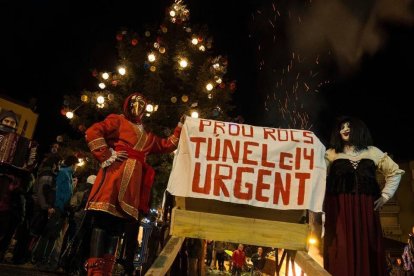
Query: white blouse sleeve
pixel 389 169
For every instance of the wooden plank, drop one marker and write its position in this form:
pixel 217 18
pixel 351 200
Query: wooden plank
pixel 167 256
pixel 242 210
pixel 309 265
pixel 252 231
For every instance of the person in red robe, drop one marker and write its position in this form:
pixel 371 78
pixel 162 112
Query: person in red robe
pixel 123 184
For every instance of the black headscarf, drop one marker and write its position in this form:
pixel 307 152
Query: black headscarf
pixel 5 114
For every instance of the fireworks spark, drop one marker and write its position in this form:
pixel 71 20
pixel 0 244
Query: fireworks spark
pixel 293 80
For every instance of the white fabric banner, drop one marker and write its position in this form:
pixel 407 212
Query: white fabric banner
pixel 264 167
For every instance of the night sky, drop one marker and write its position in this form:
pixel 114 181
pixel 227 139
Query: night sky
pixel 51 47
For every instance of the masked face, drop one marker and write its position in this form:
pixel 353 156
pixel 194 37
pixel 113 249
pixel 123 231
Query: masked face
pixel 9 121
pixel 345 131
pixel 137 105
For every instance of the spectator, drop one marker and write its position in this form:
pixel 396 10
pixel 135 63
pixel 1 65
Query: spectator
pixel 258 260
pixel 14 183
pixel 194 251
pixel 57 224
pixel 209 253
pixel 219 248
pixel 238 260
pixel 407 258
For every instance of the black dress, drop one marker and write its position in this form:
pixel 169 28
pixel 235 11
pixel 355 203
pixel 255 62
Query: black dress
pixel 353 243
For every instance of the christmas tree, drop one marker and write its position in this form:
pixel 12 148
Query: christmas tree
pixel 173 66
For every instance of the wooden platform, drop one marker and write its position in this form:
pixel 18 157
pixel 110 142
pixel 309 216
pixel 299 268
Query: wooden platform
pixel 216 220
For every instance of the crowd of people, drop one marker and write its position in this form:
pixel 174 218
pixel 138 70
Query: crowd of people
pixel 41 203
pixel 219 257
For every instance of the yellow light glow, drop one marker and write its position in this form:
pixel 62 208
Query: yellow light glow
pixel 312 240
pixel 153 68
pixel 209 86
pixel 216 66
pixel 172 13
pixel 100 99
pixel 162 50
pixel 150 108
pixel 194 114
pixel 102 85
pixel 218 80
pixel 202 48
pixel 184 98
pixel 84 98
pixel 105 76
pixel 151 57
pixel 69 114
pixel 194 41
pixel 122 71
pixel 81 162
pixel 183 63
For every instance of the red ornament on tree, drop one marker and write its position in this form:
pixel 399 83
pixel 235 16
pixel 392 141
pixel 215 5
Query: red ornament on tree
pixel 222 85
pixel 134 42
pixel 95 73
pixel 114 82
pixel 232 86
pixel 119 37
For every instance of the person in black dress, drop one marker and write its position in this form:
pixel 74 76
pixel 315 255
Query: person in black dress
pixel 353 242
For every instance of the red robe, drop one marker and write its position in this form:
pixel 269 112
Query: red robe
pixel 123 188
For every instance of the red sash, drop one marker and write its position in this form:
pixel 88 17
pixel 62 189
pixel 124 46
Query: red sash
pixel 147 172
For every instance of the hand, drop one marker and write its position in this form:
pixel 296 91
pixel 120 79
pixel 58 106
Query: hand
pixel 379 203
pixel 121 155
pixel 182 119
pixel 32 156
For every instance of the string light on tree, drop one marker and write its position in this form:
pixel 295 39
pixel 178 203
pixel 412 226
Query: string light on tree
pixel 149 108
pixel 194 114
pixel 81 162
pixel 100 99
pixel 151 57
pixel 122 70
pixel 184 98
pixel 102 85
pixel 162 77
pixel 69 115
pixel 209 86
pixel 84 98
pixel 183 63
